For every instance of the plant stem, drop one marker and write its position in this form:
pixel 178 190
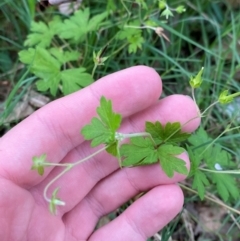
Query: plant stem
pixel 234 95
pixel 94 69
pixel 122 136
pixel 50 164
pixel 194 99
pixel 184 124
pixel 232 129
pixel 90 156
pixel 129 135
pixel 214 103
pixel 119 49
pixel 128 12
pixel 212 142
pixel 211 199
pixel 69 166
pixel 140 27
pixel 118 154
pixel 220 171
pixel 193 96
pixel 53 180
pixel 225 131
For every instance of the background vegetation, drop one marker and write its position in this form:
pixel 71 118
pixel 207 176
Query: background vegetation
pixel 200 33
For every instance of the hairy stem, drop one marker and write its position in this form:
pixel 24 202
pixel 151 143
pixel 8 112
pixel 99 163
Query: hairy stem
pixel 140 27
pixel 94 69
pixel 194 99
pixel 128 12
pixel 214 103
pixel 50 164
pixel 53 180
pixel 220 171
pixel 193 96
pixel 225 131
pixel 69 166
pixel 184 124
pixel 90 156
pixel 122 136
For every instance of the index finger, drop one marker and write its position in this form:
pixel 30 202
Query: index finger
pixel 54 129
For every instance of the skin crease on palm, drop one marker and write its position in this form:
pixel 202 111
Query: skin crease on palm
pixel 98 186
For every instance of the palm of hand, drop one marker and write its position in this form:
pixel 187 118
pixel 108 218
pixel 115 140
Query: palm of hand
pixel 96 187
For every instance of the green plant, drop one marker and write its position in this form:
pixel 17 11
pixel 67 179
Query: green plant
pixel 52 64
pixel 51 53
pixel 206 34
pixel 158 144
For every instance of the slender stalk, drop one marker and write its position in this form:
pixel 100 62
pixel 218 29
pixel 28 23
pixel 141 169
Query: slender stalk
pixel 234 95
pixel 118 50
pixel 193 96
pixel 184 124
pixel 130 135
pixel 212 142
pixel 214 103
pixel 90 156
pixel 50 164
pixel 220 171
pixel 68 167
pixel 194 99
pixel 225 131
pixel 94 69
pixel 53 180
pixel 232 129
pixel 211 199
pixel 128 12
pixel 122 136
pixel 140 27
pixel 119 155
pixel 200 116
pixel 234 220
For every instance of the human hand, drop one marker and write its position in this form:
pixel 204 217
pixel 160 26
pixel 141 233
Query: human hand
pixel 98 186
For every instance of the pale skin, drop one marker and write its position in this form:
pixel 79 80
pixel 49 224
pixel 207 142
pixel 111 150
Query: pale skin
pixel 96 187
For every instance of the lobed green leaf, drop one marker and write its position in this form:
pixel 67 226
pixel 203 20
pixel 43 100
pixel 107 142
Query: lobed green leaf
pixel 75 79
pixel 199 182
pixel 55 201
pixel 226 185
pixel 98 133
pixel 64 56
pixel 170 133
pixel 38 163
pixel 77 26
pixel 102 130
pixel 132 35
pixel 108 117
pixel 42 33
pixel 140 151
pixel 169 162
pixel 48 69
